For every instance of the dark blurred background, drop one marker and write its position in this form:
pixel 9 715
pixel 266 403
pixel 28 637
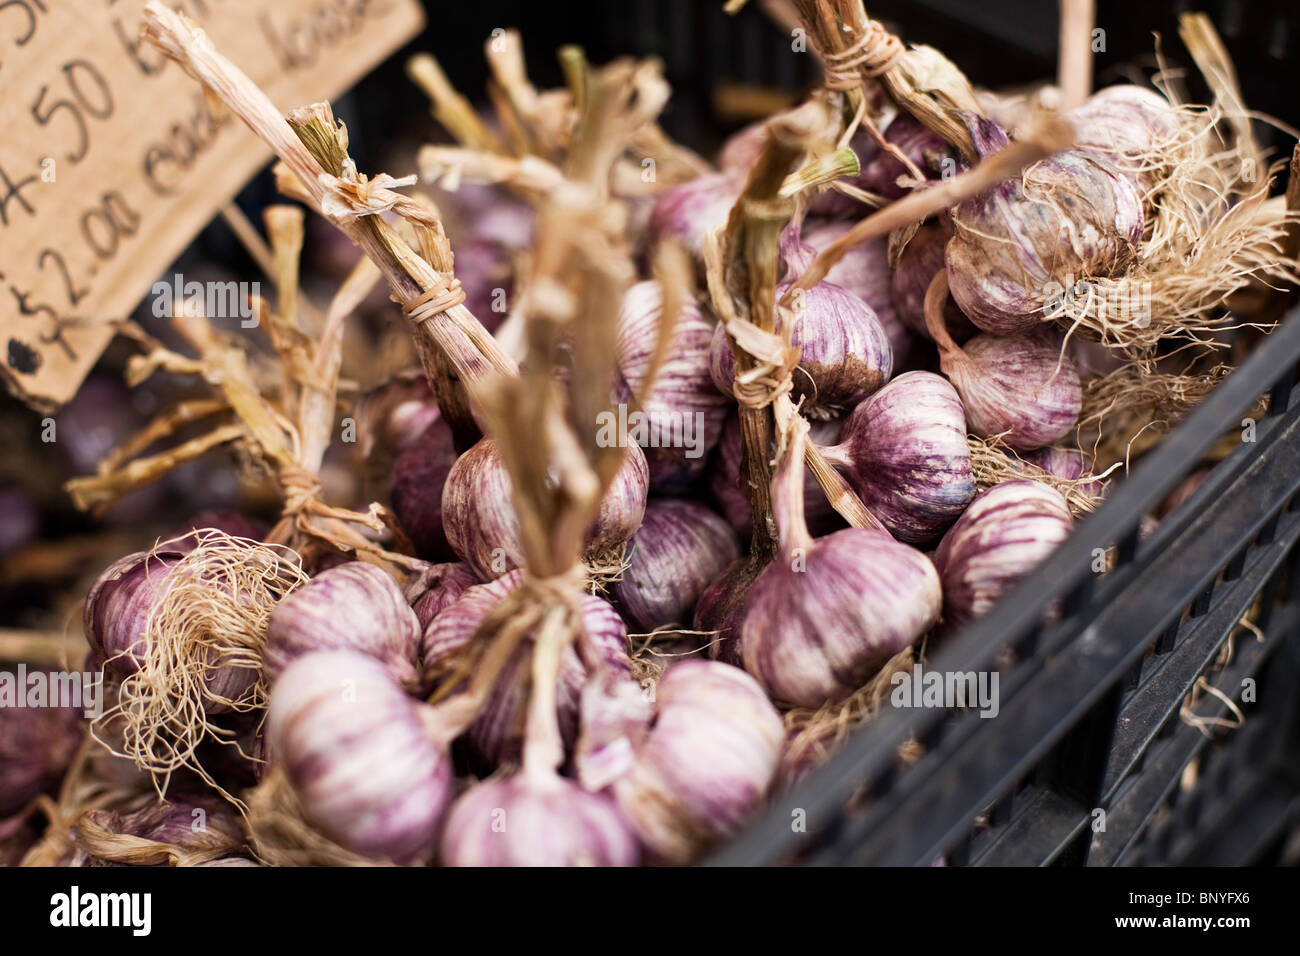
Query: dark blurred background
pixel 722 66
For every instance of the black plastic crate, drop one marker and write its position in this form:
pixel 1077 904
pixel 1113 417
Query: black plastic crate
pixel 1089 711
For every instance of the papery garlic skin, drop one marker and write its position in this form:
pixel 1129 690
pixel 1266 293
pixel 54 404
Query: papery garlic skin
pixel 353 606
pixel 496 735
pixel 1069 464
pixel 679 550
pixel 1068 217
pixel 819 626
pixel 1004 535
pixel 118 606
pixel 845 352
pixel 688 211
pixel 925 148
pixel 864 271
pixel 437 587
pixel 536 821
pixel 919 260
pixel 358 755
pixel 1125 124
pixel 905 452
pixel 483 529
pixel 117 614
pixel 1023 389
pixel 36 746
pixel 706 764
pixel 419 475
pixel 683 413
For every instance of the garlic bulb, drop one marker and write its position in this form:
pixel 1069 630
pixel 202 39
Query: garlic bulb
pixel 827 613
pixel 496 735
pixel 36 746
pixel 864 271
pixel 536 820
pixel 707 762
pixel 904 451
pixel 688 211
pixel 1067 463
pixel 353 607
pixel 183 829
pixel 679 550
pixel 683 415
pixel 742 148
pixel 1124 124
pixel 1022 388
pixel 931 154
pixel 481 525
pixel 724 482
pixel 845 352
pixel 1005 533
pixel 437 586
pixel 919 260
pixel 118 610
pixel 419 475
pixel 720 610
pixel 366 769
pixel 1073 214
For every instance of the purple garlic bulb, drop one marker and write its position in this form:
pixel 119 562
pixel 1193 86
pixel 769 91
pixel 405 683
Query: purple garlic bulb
pixel 681 418
pixel 864 271
pixel 1069 464
pixel 436 587
pixel 845 352
pixel 536 820
pixel 742 148
pixel 679 550
pixel 187 828
pixel 920 259
pixel 1023 388
pixel 1005 533
pixel 826 614
pixel 707 762
pixel 496 736
pixel 117 614
pixel 486 273
pixel 925 148
pixel 419 475
pixel 821 623
pixel 480 521
pixel 904 451
pixel 36 746
pixel 1068 217
pixel 367 770
pixel 724 482
pixel 233 523
pixel 688 211
pixel 351 607
pixel 720 610
pixel 1125 124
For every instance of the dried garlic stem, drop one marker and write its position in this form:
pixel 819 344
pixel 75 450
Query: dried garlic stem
pixel 350 202
pixel 1074 56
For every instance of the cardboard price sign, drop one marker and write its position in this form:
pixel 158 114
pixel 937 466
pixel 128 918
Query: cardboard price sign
pixel 111 163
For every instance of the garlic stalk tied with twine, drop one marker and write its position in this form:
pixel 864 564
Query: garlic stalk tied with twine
pixel 284 421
